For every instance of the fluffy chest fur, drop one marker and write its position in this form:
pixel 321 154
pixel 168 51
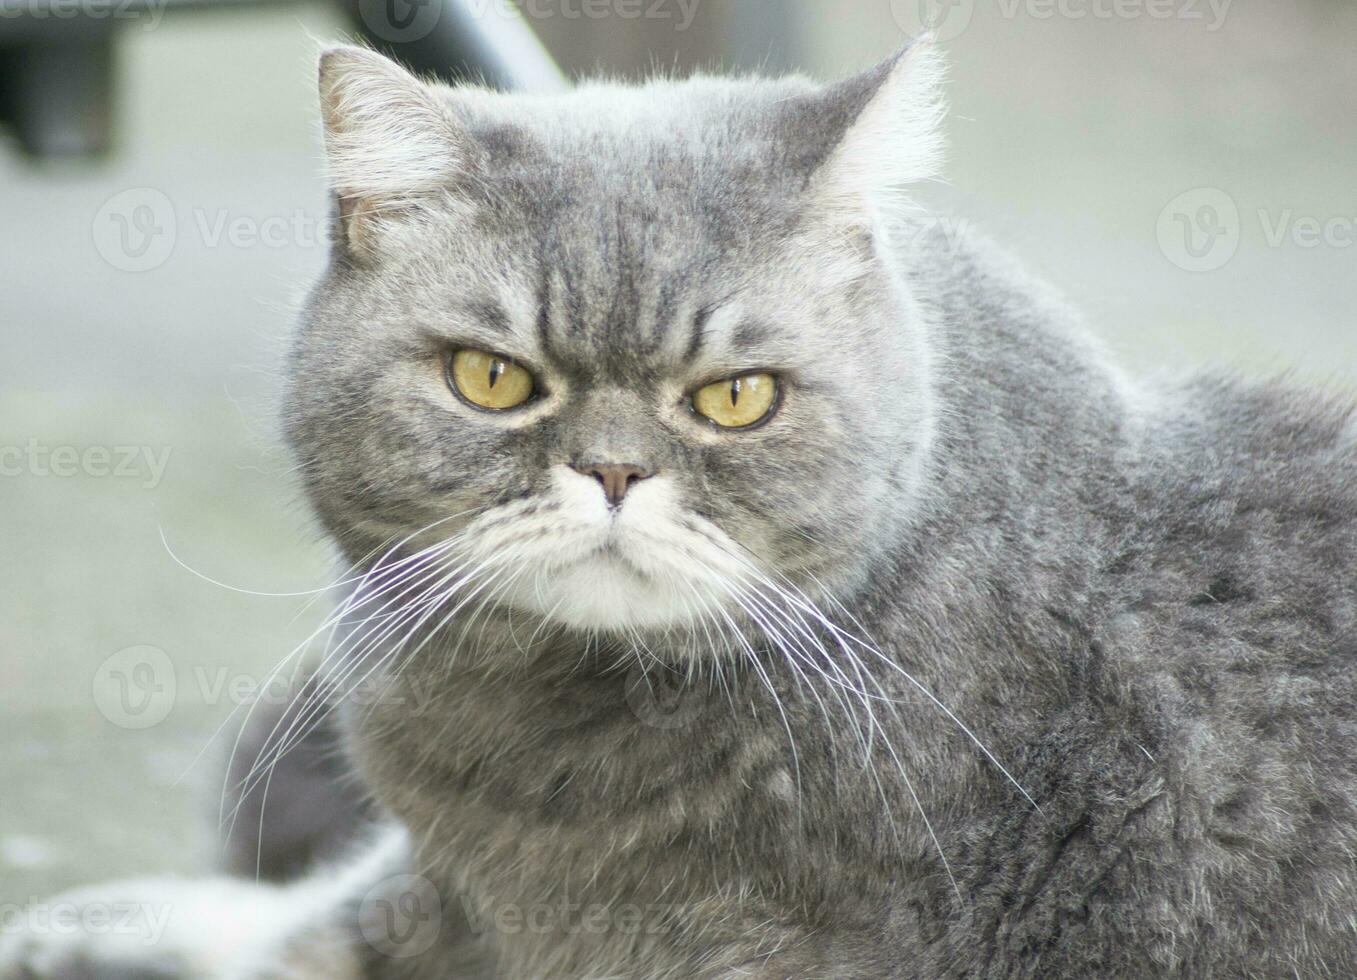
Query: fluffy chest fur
pixel 587 830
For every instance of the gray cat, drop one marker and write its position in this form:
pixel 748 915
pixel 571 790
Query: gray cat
pixel 749 581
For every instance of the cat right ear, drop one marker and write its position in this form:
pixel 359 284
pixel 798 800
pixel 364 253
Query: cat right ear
pixel 390 141
pixel 892 134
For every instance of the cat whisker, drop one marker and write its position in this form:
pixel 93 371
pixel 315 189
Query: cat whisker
pixel 273 750
pixel 355 636
pixel 389 656
pixel 296 653
pixel 845 641
pixel 164 541
pixel 918 802
pixel 403 574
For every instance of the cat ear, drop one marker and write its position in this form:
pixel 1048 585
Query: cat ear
pixel 389 140
pixel 893 138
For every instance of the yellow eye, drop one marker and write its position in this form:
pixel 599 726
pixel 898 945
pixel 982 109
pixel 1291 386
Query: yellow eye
pixel 488 380
pixel 737 403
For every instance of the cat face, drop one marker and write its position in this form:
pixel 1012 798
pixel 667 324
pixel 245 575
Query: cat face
pixel 629 354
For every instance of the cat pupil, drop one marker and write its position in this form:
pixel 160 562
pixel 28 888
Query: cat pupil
pixel 734 392
pixel 496 369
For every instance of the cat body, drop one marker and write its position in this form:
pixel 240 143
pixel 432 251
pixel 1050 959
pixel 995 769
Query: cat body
pixel 971 658
pixel 1184 752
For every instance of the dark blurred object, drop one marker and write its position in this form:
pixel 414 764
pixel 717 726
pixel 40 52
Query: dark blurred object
pixel 56 77
pixel 57 56
pixel 453 41
pixel 307 809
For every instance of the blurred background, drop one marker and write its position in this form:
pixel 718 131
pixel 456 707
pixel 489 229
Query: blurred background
pixel 1186 170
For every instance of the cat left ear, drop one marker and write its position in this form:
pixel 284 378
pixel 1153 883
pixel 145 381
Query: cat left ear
pixel 894 137
pixel 391 142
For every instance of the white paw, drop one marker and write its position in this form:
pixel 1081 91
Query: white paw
pixel 150 929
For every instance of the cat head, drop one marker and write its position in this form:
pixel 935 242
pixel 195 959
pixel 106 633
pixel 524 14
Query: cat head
pixel 620 355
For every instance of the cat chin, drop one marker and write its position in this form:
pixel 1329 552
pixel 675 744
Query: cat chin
pixel 605 592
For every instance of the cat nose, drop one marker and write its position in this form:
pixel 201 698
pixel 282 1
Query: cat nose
pixel 615 478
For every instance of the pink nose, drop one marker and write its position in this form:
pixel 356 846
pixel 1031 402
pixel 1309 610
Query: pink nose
pixel 615 478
